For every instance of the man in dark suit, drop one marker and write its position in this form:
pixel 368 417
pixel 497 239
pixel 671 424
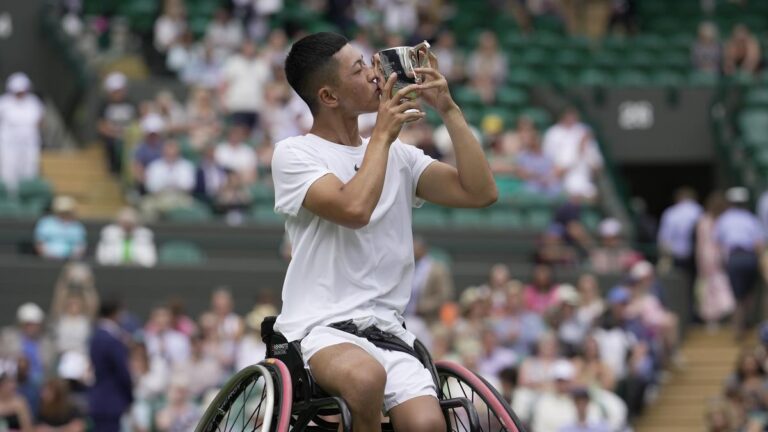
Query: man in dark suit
pixel 112 392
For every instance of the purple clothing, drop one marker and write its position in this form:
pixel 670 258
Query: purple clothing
pixel 147 153
pixel 541 169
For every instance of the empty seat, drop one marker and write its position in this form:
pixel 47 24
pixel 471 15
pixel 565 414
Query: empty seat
pixel 181 253
pixel 196 212
pixel 37 189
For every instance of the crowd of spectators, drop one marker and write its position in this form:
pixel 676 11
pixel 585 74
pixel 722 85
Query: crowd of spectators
pixel 740 54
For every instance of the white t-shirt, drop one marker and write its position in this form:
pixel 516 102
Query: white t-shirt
pixel 245 82
pixel 563 146
pixel 20 117
pixel 239 158
pixel 339 273
pixel 164 176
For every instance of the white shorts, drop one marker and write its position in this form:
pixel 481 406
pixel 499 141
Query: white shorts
pixel 407 378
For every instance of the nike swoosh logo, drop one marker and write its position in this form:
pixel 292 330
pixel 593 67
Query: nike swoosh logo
pixel 356 167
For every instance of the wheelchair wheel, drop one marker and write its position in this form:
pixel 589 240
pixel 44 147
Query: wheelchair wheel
pixel 493 411
pixel 256 399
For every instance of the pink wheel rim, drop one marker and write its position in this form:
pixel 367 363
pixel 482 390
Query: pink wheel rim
pixel 287 394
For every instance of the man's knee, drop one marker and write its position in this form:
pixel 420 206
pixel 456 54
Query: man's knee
pixel 429 421
pixel 363 383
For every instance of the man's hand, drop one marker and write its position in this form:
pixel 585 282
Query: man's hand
pixel 392 110
pixel 435 88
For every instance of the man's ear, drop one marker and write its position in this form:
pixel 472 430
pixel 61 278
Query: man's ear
pixel 327 97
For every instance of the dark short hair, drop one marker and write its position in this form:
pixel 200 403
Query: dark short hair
pixel 310 64
pixel 109 308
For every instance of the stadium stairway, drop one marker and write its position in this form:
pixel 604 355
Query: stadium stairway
pixel 82 174
pixel 683 399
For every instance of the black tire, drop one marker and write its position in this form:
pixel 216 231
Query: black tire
pixel 255 400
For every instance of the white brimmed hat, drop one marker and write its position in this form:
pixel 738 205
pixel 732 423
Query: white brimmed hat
pixel 152 123
pixel 30 313
pixel 737 195
pixel 115 81
pixel 18 82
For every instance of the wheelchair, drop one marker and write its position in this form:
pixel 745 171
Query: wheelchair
pixel 278 394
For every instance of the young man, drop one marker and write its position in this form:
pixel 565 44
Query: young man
pixel 348 204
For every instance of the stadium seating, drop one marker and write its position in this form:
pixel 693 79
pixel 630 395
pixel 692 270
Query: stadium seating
pixel 181 253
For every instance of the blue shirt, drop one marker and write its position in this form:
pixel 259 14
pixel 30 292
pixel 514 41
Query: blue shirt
pixel 737 228
pixel 676 229
pixel 60 238
pixel 147 153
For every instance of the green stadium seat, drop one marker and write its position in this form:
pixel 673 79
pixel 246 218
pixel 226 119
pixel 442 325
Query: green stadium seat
pixel 541 117
pixel 668 78
pixel 591 219
pixel 757 97
pixel 594 77
pixel 641 59
pixel 651 42
pixel 473 115
pixel 196 212
pixel 506 218
pixel 11 209
pixel 181 253
pixel 35 189
pixel 631 78
pixel 513 41
pixel 511 97
pixel 568 58
pixel 468 218
pixel 563 77
pixel 263 193
pixel 538 218
pixel 522 76
pixel 265 215
pixel 607 60
pixel 3 191
pixel 753 124
pixel 534 57
pixel 703 79
pixel 508 187
pixel 466 96
pixel 430 217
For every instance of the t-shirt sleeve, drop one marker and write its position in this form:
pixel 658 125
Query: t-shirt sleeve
pixel 293 172
pixel 418 162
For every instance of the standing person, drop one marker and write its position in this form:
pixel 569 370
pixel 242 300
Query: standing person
pixel 242 88
pixel 740 237
pixel 21 114
pixel 112 392
pixel 714 296
pixel 116 113
pixel 353 196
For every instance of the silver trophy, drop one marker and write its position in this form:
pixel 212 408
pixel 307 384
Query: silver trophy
pixel 403 60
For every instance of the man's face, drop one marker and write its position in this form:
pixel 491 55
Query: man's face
pixel 356 85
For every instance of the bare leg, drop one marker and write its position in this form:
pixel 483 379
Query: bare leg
pixel 420 414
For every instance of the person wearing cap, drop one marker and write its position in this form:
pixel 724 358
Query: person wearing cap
pixel 21 116
pixel 612 255
pixel 126 242
pixel 29 340
pixel 741 239
pixel 116 113
pixel 676 230
pixel 555 408
pixel 150 149
pixel 61 235
pixel 583 423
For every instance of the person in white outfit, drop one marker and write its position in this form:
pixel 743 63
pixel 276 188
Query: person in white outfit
pixel 126 242
pixel 347 202
pixel 21 114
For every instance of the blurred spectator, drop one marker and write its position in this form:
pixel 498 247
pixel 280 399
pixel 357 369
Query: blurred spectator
pixel 568 217
pixel 233 199
pixel 537 372
pixel 60 235
pixel 169 182
pixel 252 349
pixel 592 371
pixel 203 69
pixel 553 251
pixel 645 306
pixel 741 53
pixel 14 411
pixel 180 321
pixel 162 340
pixel 235 154
pixel 555 408
pixel 227 324
pixel 399 17
pixel 741 239
pixel 714 296
pixel 484 86
pixel 571 145
pixel 720 416
pixel 112 391
pixel 677 229
pixel 170 25
pixel 516 327
pixel 207 372
pixel 706 53
pixel 243 78
pixel 149 150
pixel 497 285
pixel 171 111
pixel 180 413
pixel 276 52
pixel 540 294
pixel 150 379
pixel 612 255
pixel 537 170
pixel 58 412
pixel 73 308
pixel 280 118
pixel 571 328
pixel 224 33
pixel 647 226
pixel 583 422
pixel 494 357
pixel 624 16
pixel 21 115
pixel 75 369
pixel 432 284
pixel 591 305
pixel 116 113
pixel 209 176
pixel 204 125
pixel 180 54
pixel 450 59
pixel 126 242
pixel 487 59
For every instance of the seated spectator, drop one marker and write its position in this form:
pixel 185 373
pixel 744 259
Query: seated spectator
pixel 14 410
pixel 568 216
pixel 116 113
pixel 706 53
pixel 233 199
pixel 202 118
pixel 149 150
pixel 501 158
pixel 612 255
pixel 228 325
pixel 21 116
pixel 169 182
pixel 450 59
pixel 163 341
pixel 572 147
pixel 252 349
pixel 209 176
pixel 741 53
pixel 516 327
pixel 591 306
pixel 60 235
pixel 555 408
pixel 277 49
pixel 180 321
pixel 494 357
pixel 591 370
pixel 170 25
pixel 203 68
pixel 280 119
pixel 537 371
pixel 475 305
pixel 497 285
pixel 180 412
pixel 432 285
pixel 224 33
pixel 207 372
pixel 571 329
pixel 484 85
pixel 235 154
pixel 180 53
pixel 488 59
pixel 553 251
pixel 540 294
pixel 537 170
pixel 583 422
pixel 243 78
pixel 126 242
pixel 57 409
pixel 171 111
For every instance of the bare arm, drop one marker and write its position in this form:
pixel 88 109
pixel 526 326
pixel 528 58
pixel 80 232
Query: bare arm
pixel 351 204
